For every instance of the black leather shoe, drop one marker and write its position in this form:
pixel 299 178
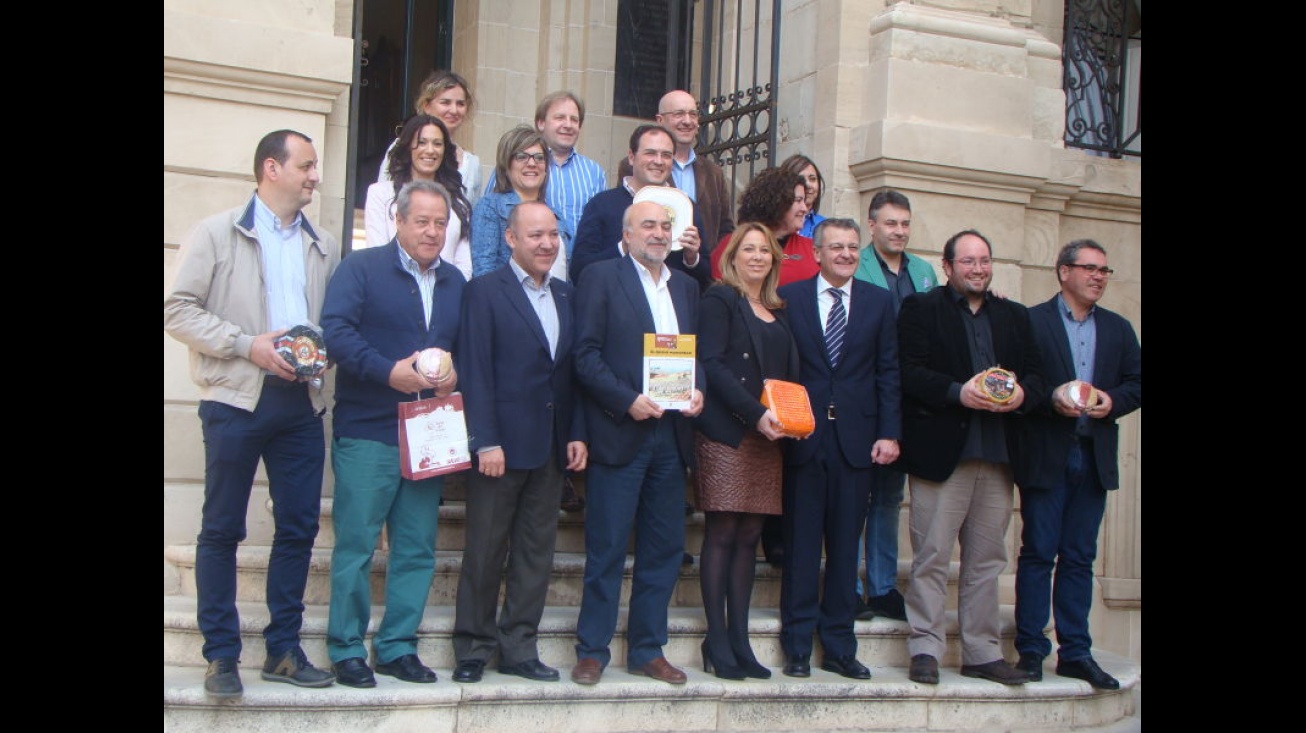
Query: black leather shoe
pixel 996 671
pixel 222 679
pixel 1087 670
pixel 890 605
pixel 924 669
pixel 354 672
pixel 571 501
pixel 847 666
pixel 407 668
pixel 469 670
pixel 798 667
pixel 531 670
pixel 1032 665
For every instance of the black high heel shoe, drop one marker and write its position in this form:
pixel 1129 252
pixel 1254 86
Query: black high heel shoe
pixel 753 668
pixel 725 672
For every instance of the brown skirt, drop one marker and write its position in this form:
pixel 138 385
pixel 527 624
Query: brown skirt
pixel 743 479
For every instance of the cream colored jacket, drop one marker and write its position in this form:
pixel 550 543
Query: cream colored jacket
pixel 218 303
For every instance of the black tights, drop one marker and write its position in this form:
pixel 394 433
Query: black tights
pixel 727 565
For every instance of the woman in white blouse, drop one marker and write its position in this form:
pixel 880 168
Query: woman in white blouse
pixel 423 151
pixel 447 96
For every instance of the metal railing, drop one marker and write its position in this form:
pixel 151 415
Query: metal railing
pixel 1101 74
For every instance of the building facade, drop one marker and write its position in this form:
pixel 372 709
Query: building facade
pixel 957 103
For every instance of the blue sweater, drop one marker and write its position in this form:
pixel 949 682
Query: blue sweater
pixel 372 318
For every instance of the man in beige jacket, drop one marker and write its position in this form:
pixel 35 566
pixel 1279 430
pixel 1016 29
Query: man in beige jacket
pixel 246 276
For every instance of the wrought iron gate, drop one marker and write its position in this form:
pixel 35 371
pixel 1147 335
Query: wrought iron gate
pixel 739 72
pixel 1101 60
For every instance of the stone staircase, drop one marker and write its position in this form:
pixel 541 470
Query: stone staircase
pixel 621 703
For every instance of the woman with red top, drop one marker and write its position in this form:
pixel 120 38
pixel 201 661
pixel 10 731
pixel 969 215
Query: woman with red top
pixel 777 198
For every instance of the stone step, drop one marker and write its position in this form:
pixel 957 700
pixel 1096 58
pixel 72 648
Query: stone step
pixel 453 530
pixel 880 641
pixel 624 703
pixel 565 584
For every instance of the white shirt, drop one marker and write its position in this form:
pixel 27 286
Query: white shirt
pixel 824 300
pixel 659 298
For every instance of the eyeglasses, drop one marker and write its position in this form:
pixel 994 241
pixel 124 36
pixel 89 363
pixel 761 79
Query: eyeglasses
pixel 841 248
pixel 985 263
pixel 681 114
pixel 1092 270
pixel 523 157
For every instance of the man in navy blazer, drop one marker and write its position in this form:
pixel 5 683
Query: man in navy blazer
pixel 638 451
pixel 960 449
pixel 1070 450
pixel 515 348
pixel 651 156
pixel 856 396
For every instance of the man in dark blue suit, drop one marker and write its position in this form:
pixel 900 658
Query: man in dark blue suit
pixel 638 451
pixel 651 156
pixel 1070 448
pixel 515 346
pixel 848 347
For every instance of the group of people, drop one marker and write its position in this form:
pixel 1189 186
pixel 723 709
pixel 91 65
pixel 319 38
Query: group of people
pixel 543 288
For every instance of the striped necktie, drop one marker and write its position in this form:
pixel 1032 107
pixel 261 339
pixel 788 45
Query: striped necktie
pixel 835 325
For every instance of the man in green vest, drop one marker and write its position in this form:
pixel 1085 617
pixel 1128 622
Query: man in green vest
pixel 887 264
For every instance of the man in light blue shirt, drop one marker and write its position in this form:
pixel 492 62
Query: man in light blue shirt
pixel 573 178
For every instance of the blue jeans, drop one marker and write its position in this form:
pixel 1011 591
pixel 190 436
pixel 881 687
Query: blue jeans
pixel 286 434
pixel 1060 532
pixel 647 495
pixel 882 531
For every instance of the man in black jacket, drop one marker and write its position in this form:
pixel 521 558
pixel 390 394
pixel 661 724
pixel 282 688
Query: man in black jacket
pixel 960 448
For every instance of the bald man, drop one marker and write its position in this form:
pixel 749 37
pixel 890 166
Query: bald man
pixel 700 178
pixel 638 451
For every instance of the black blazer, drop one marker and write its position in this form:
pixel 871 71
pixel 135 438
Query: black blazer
pixel 1117 370
pixel 613 317
pixel 515 394
pixel 935 355
pixel 865 388
pixel 730 352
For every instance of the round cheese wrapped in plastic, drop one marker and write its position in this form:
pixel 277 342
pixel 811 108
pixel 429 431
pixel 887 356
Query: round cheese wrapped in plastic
pixel 997 384
pixel 1082 394
pixel 303 348
pixel 435 364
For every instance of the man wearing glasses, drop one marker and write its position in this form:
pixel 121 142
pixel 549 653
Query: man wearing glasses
pixel 848 362
pixel 599 235
pixel 701 179
pixel 960 449
pixel 1071 446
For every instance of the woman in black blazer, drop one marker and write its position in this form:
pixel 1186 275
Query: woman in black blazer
pixel 743 338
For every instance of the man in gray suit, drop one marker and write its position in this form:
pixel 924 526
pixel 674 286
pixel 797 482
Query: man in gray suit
pixel 516 342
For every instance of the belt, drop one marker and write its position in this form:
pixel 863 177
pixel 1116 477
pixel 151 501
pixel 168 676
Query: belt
pixel 829 413
pixel 272 380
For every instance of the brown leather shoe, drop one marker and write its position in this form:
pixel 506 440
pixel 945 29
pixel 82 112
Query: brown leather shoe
pixel 587 672
pixel 660 669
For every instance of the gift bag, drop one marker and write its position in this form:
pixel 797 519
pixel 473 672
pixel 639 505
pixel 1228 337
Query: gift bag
pixel 433 437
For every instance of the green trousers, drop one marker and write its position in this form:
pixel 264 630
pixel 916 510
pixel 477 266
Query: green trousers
pixel 370 493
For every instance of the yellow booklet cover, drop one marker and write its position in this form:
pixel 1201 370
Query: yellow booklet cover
pixel 669 366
